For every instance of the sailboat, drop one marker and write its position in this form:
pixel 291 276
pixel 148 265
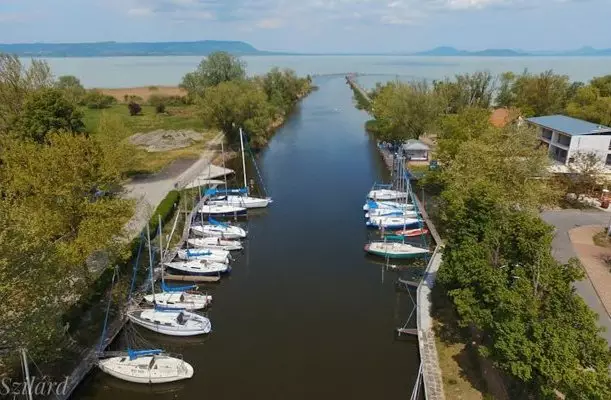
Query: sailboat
pixel 393 205
pixel 387 212
pixel 392 222
pixel 215 243
pixel 179 298
pixel 141 366
pixel 394 249
pixel 219 229
pixel 168 321
pixel 146 366
pixel 239 197
pixel 385 192
pixel 222 210
pixel 215 255
pixel 199 267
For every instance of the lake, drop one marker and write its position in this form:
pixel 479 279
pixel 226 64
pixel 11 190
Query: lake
pixel 115 72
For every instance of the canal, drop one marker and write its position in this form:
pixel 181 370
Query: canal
pixel 304 314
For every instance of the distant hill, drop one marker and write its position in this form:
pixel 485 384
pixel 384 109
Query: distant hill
pixel 451 51
pixel 116 49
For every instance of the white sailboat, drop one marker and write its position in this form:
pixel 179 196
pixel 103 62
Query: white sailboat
pixel 394 249
pixel 201 267
pixel 179 298
pixel 392 222
pixel 215 243
pixel 222 210
pixel 146 366
pixel 370 205
pixel 386 194
pixel 215 255
pixel 237 198
pixel 390 212
pixel 219 229
pixel 166 321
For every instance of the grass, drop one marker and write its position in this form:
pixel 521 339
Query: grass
pixel 175 118
pixel 601 239
pixel 148 163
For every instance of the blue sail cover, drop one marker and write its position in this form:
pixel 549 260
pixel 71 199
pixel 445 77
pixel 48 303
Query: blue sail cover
pixel 167 309
pixel 216 223
pixel 222 192
pixel 133 354
pixel 195 253
pixel 176 289
pixel 372 204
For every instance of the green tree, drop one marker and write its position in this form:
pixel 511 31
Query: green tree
pixel 505 96
pixel 48 110
pixel 96 100
pixel 456 129
pixel 468 90
pixel 16 82
pixel 603 84
pixel 543 94
pixel 231 105
pixel 218 67
pixel 405 110
pixel 588 104
pixel 284 88
pixel 71 85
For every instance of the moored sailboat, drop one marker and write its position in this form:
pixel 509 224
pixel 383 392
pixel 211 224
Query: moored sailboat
pixel 215 243
pixel 394 249
pixel 219 229
pixel 146 366
pixel 199 267
pixel 215 255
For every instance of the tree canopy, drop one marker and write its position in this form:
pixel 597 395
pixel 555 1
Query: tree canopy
pixel 468 90
pixel 218 67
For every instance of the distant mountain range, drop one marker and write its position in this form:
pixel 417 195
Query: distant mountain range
pixel 116 49
pixel 451 51
pixel 205 47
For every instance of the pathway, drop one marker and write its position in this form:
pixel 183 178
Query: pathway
pixel 149 192
pixel 563 250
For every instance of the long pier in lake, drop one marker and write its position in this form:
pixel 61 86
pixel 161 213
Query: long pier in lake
pixel 430 369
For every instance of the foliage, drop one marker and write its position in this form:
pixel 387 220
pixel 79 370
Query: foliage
pixel 96 100
pixel 587 172
pixel 284 88
pixel 55 216
pixel 165 209
pixel 218 67
pixel 602 238
pixel 590 104
pixel 468 90
pixel 48 110
pixel 231 105
pixel 456 129
pixel 134 108
pixel 72 88
pixel 160 108
pixel 16 82
pixel 405 110
pixel 175 101
pixel 543 94
pixel 603 85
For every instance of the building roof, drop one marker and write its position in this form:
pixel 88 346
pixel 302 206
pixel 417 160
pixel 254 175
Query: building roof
pixel 570 126
pixel 413 144
pixel 500 117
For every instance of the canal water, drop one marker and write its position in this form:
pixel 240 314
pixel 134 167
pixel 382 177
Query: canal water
pixel 305 314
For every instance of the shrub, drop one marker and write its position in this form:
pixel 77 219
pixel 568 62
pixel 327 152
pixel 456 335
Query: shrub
pixel 165 209
pixel 95 99
pixel 134 108
pixel 160 108
pixel 153 88
pixel 174 101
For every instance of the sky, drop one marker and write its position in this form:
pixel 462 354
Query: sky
pixel 316 25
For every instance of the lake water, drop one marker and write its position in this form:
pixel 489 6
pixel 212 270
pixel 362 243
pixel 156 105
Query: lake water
pixel 305 314
pixel 144 71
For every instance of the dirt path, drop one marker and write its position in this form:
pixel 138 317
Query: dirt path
pixel 148 193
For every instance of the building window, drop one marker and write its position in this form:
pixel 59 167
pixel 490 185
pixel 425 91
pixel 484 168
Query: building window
pixel 608 162
pixel 546 133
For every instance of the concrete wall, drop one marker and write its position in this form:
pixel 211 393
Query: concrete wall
pixel 598 144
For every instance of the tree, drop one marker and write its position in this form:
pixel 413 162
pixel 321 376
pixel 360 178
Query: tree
pixel 218 67
pixel 48 110
pixel 96 100
pixel 469 90
pixel 543 94
pixel 588 104
pixel 16 82
pixel 587 171
pixel 505 95
pixel 231 105
pixel 284 88
pixel 405 110
pixel 603 84
pixel 456 129
pixel 72 88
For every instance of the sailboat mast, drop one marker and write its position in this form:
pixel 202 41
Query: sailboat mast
pixel 243 162
pixel 26 370
pixel 224 172
pixel 148 239
pixel 161 249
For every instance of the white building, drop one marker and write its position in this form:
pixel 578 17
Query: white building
pixel 415 150
pixel 565 137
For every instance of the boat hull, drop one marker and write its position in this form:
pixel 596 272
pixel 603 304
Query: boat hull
pixel 412 232
pixel 158 321
pixel 229 232
pixel 169 369
pixel 205 269
pixel 215 210
pixel 389 205
pixel 395 250
pixel 392 223
pixel 220 256
pixel 215 243
pixel 386 194
pixel 179 300
pixel 242 201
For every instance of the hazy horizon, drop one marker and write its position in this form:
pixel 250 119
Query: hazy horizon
pixel 316 26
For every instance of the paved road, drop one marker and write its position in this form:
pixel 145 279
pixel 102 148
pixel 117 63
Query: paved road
pixel 562 250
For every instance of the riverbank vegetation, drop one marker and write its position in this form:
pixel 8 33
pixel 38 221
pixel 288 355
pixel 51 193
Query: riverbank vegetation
pixel 514 302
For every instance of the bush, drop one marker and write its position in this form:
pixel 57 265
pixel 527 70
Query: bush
pixel 134 108
pixel 165 209
pixel 174 101
pixel 160 108
pixel 95 99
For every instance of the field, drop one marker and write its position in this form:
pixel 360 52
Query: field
pixel 144 92
pixel 175 118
